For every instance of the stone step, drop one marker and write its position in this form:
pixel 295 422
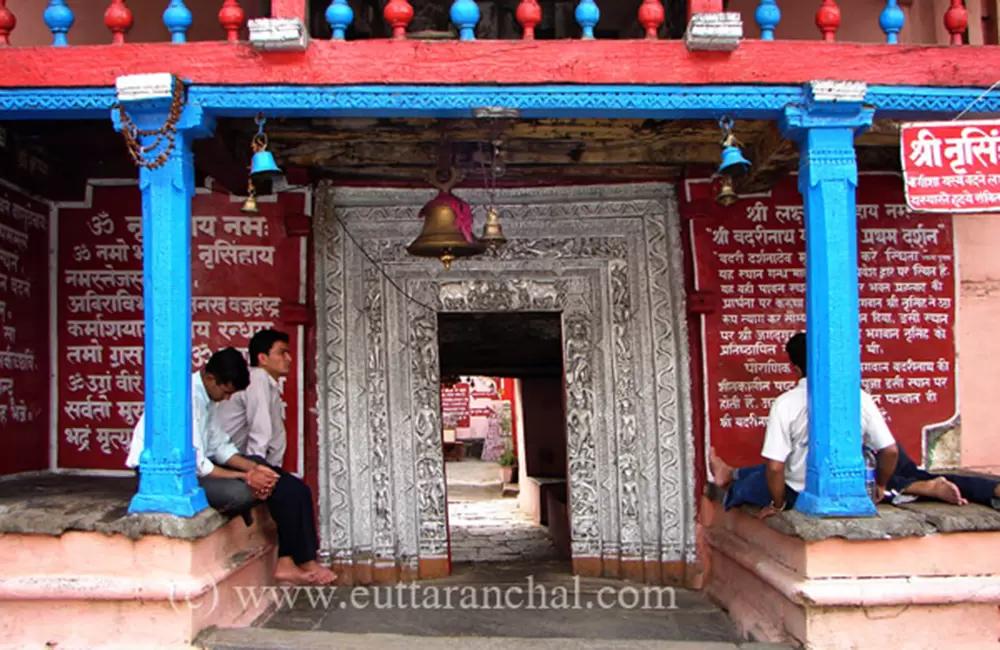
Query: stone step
pixel 261 639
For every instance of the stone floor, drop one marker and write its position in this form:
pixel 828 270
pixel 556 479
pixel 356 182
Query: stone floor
pixel 483 525
pixel 271 639
pixel 494 530
pixel 568 612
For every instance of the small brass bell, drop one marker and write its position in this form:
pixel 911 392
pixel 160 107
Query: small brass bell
pixel 492 232
pixel 726 196
pixel 250 205
pixel 442 239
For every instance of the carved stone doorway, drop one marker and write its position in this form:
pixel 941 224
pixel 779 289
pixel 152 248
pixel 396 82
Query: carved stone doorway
pixel 609 259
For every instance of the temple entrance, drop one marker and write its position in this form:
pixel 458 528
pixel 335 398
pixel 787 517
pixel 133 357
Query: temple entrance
pixel 504 436
pixel 605 263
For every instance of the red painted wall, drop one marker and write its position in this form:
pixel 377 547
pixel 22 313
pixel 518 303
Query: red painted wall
pixel 24 316
pixel 749 262
pixel 542 404
pixel 245 272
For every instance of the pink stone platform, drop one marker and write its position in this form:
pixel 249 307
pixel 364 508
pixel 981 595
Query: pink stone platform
pixel 922 576
pixel 77 571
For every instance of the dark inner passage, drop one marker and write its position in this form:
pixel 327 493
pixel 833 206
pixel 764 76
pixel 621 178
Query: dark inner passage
pixel 501 345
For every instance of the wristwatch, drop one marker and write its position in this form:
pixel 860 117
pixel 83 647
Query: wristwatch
pixel 778 508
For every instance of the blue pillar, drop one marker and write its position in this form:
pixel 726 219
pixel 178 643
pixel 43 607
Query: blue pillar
pixel 825 128
pixel 168 483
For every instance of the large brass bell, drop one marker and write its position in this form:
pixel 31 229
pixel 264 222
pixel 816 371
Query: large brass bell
pixel 492 232
pixel 442 239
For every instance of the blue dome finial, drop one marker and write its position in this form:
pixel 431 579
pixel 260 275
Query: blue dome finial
pixel 768 15
pixel 59 18
pixel 339 16
pixel 177 18
pixel 465 15
pixel 588 14
pixel 891 21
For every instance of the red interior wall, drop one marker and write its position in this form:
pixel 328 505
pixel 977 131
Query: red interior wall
pixel 245 276
pixel 545 450
pixel 25 387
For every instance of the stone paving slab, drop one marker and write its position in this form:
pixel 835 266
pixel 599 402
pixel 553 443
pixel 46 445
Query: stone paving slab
pixel 947 518
pixel 569 607
pixel 257 639
pixel 916 519
pixel 496 530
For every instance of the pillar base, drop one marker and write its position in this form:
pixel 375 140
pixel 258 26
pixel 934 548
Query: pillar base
pixel 180 505
pixel 839 506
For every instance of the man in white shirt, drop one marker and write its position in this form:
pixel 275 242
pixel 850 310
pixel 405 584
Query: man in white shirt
pixel 776 484
pixel 232 481
pixel 253 418
pixel 217 461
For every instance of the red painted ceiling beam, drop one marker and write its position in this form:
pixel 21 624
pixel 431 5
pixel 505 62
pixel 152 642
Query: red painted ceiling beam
pixel 493 62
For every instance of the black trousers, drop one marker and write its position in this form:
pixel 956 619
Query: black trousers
pixel 291 508
pixel 974 488
pixel 290 505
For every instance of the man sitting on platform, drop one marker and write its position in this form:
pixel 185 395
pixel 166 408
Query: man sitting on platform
pixel 252 418
pixel 910 481
pixel 776 484
pixel 232 481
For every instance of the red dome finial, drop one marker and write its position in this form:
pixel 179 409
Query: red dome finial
pixel 529 14
pixel 956 21
pixel 7 23
pixel 828 19
pixel 118 18
pixel 231 17
pixel 651 16
pixel 398 13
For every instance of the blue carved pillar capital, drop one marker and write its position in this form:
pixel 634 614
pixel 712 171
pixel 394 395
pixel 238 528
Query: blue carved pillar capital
pixel 824 127
pixel 159 127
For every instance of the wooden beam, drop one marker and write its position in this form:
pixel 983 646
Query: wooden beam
pixel 771 157
pixel 213 157
pixel 538 174
pixel 612 62
pixel 429 130
pixel 515 154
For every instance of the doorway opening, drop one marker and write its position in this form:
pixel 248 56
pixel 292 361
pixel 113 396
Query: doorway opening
pixel 504 437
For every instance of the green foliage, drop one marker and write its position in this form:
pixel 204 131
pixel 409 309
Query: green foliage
pixel 508 458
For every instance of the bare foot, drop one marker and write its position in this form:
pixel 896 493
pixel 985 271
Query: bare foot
pixel 722 472
pixel 939 488
pixel 318 574
pixel 293 575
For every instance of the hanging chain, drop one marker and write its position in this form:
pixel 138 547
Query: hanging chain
pixel 260 140
pixel 168 131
